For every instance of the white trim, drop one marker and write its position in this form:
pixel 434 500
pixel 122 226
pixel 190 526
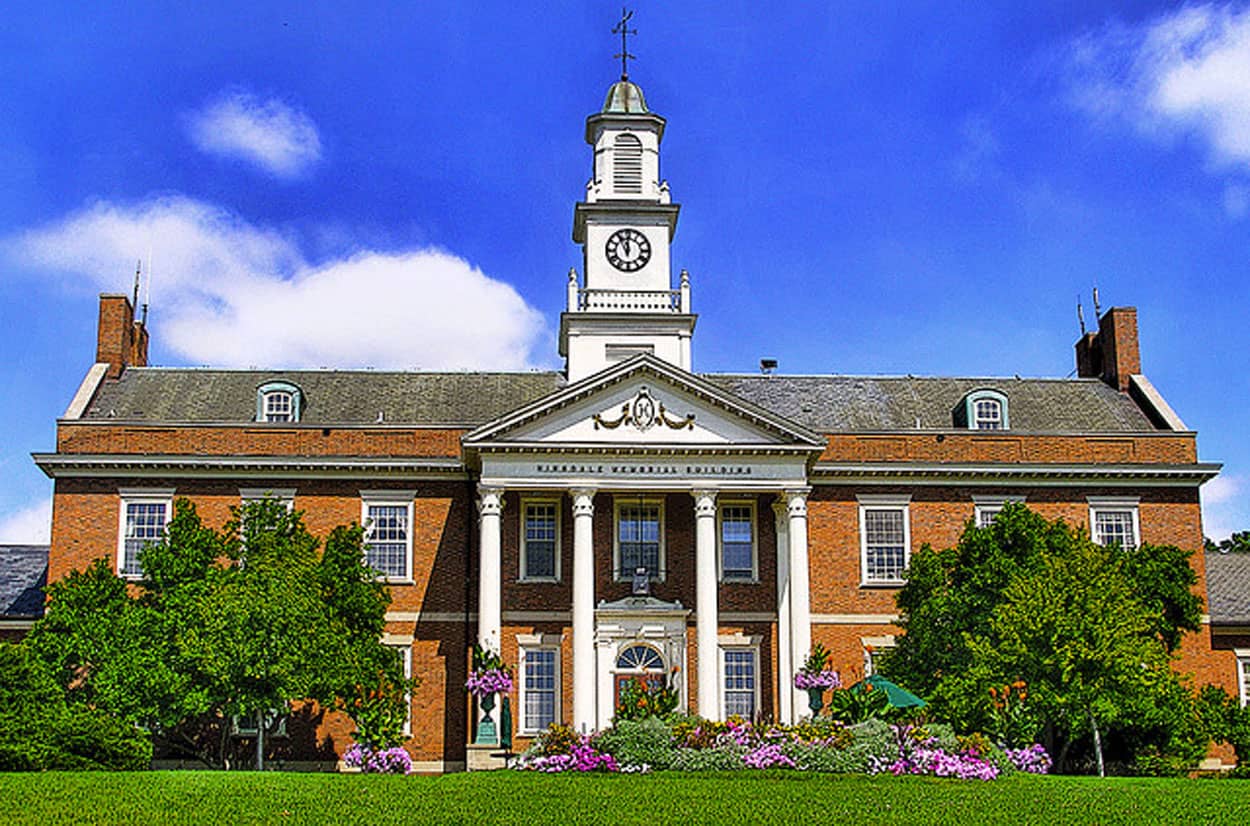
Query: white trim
pixel 1114 503
pixel 855 619
pixel 738 643
pixel 900 503
pixel 984 504
pixel 1243 675
pixel 556 502
pixel 750 504
pixel 527 644
pixel 619 501
pixel 86 390
pixel 1156 400
pixel 385 498
pixel 137 496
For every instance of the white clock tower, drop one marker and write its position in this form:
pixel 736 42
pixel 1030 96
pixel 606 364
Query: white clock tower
pixel 627 304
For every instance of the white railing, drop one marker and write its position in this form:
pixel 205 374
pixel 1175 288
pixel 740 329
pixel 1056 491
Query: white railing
pixel 629 300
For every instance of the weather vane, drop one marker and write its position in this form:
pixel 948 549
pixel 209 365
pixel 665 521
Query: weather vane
pixel 624 31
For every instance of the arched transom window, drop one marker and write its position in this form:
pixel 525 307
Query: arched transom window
pixel 640 658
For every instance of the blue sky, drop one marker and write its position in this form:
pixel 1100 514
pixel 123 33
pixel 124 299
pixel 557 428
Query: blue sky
pixel 866 188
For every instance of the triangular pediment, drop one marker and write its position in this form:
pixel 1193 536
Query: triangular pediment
pixel 643 402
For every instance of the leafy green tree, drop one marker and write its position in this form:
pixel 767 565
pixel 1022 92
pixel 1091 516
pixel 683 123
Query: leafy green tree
pixel 39 731
pixel 238 623
pixel 1075 633
pixel 958 604
pixel 1238 543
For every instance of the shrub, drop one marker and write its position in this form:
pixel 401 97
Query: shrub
pixel 39 731
pixel 647 742
pixel 723 758
pixel 557 738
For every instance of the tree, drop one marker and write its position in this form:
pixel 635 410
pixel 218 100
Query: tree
pixel 973 621
pixel 1238 543
pixel 1080 640
pixel 238 623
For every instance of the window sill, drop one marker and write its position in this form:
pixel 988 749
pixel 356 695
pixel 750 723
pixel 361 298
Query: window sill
pixel 396 580
pixel 740 580
pixel 538 580
pixel 883 583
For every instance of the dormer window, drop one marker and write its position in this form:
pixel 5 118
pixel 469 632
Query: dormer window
pixel 986 410
pixel 278 401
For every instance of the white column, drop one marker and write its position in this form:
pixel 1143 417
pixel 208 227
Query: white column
pixel 489 578
pixel 785 668
pixel 707 623
pixel 583 610
pixel 800 589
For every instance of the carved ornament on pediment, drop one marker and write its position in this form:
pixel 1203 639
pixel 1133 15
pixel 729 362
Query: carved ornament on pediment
pixel 643 412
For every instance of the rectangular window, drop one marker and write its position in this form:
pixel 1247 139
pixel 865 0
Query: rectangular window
pixel 987 508
pixel 540 541
pixel 740 682
pixel 387 518
pixel 405 654
pixel 540 675
pixel 885 538
pixel 988 415
pixel 737 542
pixel 144 515
pixel 1113 521
pixel 1243 677
pixel 639 529
pixel 278 407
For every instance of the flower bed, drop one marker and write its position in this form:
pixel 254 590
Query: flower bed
pixel 692 744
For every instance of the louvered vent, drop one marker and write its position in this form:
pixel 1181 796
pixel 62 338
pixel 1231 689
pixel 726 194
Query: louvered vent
pixel 627 165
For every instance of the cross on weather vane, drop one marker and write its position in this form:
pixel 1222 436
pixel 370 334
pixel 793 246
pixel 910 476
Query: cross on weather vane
pixel 624 31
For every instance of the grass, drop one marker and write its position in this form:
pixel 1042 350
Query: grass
pixel 516 798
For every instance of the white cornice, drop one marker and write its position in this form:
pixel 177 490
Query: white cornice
pixel 1050 475
pixel 64 465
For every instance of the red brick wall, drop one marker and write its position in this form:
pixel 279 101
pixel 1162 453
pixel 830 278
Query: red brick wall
pixel 1003 446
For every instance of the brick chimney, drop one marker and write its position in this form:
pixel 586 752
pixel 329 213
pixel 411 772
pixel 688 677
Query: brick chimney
pixel 121 341
pixel 1111 354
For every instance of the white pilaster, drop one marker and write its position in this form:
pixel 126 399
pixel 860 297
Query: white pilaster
pixel 489 611
pixel 584 704
pixel 707 616
pixel 800 589
pixel 785 667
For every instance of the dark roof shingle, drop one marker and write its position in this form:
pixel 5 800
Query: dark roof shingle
pixel 824 404
pixel 23 575
pixel 1228 588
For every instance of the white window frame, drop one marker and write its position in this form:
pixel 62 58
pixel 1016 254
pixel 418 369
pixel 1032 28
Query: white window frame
pixel 405 655
pixel 883 502
pixel 754 576
pixel 1243 675
pixel 284 495
pixel 626 501
pixel 1114 503
pixel 983 506
pixel 138 496
pixel 738 643
pixel 369 498
pixel 871 646
pixel 984 395
pixel 527 644
pixel 271 389
pixel 523 562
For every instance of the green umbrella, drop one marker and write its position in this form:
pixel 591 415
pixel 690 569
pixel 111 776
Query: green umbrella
pixel 896 696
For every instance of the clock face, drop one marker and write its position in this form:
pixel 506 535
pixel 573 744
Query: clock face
pixel 628 250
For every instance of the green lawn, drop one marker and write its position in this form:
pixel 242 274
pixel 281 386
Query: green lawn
pixel 509 797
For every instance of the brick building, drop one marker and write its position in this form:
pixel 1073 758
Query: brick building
pixel 627 515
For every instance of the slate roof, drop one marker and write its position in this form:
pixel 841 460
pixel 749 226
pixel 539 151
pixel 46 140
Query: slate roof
pixel 825 404
pixel 830 404
pixel 331 397
pixel 23 574
pixel 1228 588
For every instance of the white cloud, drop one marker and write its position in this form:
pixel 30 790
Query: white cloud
pixel 229 293
pixel 1186 72
pixel 266 133
pixel 31 525
pixel 1224 507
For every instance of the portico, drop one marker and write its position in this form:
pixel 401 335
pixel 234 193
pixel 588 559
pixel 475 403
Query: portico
pixel 691 510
